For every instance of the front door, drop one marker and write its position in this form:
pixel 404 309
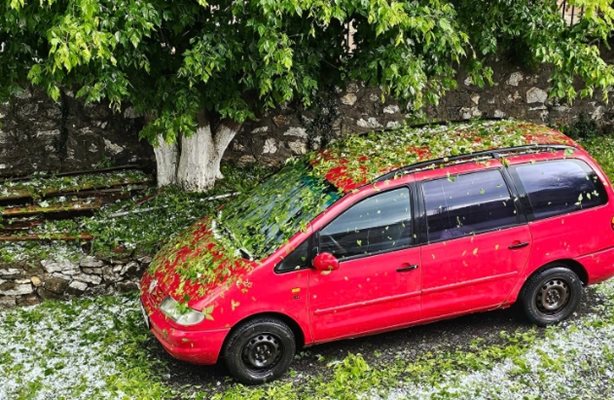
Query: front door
pixel 377 285
pixel 478 244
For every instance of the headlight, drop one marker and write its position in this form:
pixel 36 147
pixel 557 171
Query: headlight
pixel 181 314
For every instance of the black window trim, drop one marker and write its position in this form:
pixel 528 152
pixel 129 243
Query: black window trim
pixel 413 240
pixel 521 218
pixel 310 249
pixel 314 238
pixel 524 198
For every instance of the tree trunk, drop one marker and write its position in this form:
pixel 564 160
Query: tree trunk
pixel 201 155
pixel 166 162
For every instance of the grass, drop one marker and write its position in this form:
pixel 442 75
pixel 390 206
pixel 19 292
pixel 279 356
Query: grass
pixel 86 348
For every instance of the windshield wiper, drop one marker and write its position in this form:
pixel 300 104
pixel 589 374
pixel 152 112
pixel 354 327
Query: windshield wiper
pixel 233 239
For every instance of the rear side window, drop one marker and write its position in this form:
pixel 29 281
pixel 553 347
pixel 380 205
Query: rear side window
pixel 559 186
pixel 379 223
pixel 465 204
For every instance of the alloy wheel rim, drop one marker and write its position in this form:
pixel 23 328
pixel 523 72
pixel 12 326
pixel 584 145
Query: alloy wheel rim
pixel 262 351
pixel 553 296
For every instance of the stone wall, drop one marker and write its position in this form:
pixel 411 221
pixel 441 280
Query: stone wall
pixel 39 135
pixel 59 278
pixel 516 93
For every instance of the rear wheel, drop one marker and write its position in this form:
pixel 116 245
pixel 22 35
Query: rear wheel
pixel 551 296
pixel 259 350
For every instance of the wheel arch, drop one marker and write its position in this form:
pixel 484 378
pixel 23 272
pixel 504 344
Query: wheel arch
pixel 299 335
pixel 572 264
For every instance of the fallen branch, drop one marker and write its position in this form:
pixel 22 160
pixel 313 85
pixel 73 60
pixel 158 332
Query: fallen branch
pixel 59 208
pixel 219 196
pixel 139 211
pixel 49 236
pixel 143 210
pixel 72 173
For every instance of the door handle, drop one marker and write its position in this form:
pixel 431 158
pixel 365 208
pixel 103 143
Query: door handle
pixel 407 267
pixel 517 245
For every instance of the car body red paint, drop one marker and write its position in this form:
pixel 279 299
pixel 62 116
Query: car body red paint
pixel 425 281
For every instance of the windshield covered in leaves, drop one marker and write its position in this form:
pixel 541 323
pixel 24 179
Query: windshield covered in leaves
pixel 261 220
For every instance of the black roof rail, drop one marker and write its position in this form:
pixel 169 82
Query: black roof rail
pixel 496 153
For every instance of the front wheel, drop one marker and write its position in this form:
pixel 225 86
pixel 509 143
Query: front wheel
pixel 259 350
pixel 551 296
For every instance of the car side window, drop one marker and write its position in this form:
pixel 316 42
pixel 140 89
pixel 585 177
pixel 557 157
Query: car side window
pixel 379 223
pixel 297 259
pixel 559 186
pixel 466 204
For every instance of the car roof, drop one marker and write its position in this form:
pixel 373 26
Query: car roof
pixel 357 160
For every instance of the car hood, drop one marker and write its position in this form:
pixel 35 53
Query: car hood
pixel 194 267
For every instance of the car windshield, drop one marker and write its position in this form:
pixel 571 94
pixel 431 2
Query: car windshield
pixel 259 221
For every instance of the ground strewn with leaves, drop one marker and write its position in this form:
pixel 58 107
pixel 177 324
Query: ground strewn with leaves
pixel 134 225
pixel 98 348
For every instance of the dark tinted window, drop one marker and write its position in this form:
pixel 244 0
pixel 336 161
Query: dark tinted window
pixel 560 186
pixel 465 204
pixel 299 258
pixel 378 223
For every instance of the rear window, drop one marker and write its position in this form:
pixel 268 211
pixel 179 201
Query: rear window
pixel 466 204
pixel 559 186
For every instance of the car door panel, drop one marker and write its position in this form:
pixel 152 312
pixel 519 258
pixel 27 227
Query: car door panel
pixel 365 295
pixel 472 272
pixel 478 245
pixel 374 287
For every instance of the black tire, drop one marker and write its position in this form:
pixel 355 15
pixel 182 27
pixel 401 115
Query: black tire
pixel 551 296
pixel 259 350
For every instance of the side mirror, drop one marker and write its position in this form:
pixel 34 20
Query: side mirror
pixel 325 262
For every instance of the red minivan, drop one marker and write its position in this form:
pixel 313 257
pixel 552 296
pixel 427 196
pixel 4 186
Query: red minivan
pixel 383 231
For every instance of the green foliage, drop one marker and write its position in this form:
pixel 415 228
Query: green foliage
pixel 256 223
pixel 362 158
pixel 583 127
pixel 172 60
pixel 168 211
pixel 535 33
pixel 277 208
pixel 601 148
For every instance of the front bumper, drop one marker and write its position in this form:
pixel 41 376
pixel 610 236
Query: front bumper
pixel 194 346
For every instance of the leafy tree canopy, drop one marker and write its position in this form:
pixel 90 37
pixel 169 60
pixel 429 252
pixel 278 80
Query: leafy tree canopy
pixel 172 60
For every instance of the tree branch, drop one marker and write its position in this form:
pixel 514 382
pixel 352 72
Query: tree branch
pixel 224 134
